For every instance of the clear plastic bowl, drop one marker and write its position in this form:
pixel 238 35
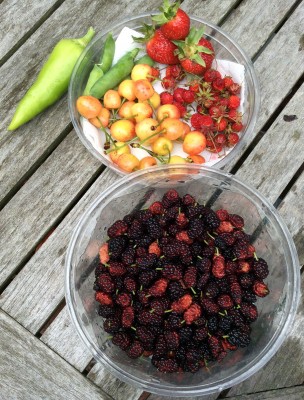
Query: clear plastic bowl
pixel 225 48
pixel 272 240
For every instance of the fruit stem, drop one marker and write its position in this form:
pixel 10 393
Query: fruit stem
pixel 167 311
pixel 255 256
pixel 133 327
pixel 193 290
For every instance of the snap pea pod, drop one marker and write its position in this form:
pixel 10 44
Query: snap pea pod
pixel 104 64
pixel 145 60
pixel 52 81
pixel 115 75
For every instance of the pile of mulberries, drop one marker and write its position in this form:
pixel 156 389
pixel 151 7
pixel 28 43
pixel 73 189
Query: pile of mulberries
pixel 178 283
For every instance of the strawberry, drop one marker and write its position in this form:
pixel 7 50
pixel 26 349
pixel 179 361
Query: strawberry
pixel 168 82
pixel 234 101
pixel 237 127
pixel 175 71
pixel 228 81
pixel 181 107
pixel 188 96
pixel 158 47
pixel 233 138
pixel 175 23
pixel 196 53
pixel 218 84
pixel 221 124
pixel 166 98
pixel 211 74
pixel 178 95
pixel 235 88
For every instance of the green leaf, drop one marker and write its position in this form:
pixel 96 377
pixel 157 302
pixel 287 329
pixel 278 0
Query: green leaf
pixel 195 34
pixel 160 19
pixel 199 60
pixel 203 49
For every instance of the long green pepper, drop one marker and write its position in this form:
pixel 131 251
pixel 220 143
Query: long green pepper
pixel 104 64
pixel 115 75
pixel 52 81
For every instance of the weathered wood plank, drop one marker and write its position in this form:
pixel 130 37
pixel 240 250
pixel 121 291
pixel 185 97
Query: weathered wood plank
pixel 17 18
pixel 271 65
pixel 114 387
pixel 294 393
pixel 291 209
pixel 285 369
pixel 40 289
pixel 277 156
pixel 247 14
pixel 61 337
pixel 208 397
pixel 22 148
pixel 41 201
pixel 30 370
pixel 210 10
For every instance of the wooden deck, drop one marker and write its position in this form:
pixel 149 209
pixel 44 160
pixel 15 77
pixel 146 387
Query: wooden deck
pixel 47 180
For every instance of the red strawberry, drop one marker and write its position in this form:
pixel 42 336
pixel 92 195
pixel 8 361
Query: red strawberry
pixel 234 101
pixel 182 304
pixel 175 23
pixel 235 88
pixel 158 47
pixel 178 95
pixel 168 82
pixel 218 84
pixel 221 124
pixel 192 314
pixel 220 138
pixel 188 96
pixel 233 138
pixel 166 98
pixel 237 127
pixel 211 74
pixel 228 81
pixel 175 71
pixel 196 53
pixel 159 287
pixel 181 107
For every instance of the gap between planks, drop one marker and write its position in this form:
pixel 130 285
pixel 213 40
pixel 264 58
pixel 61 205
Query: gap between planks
pixel 60 218
pixel 29 33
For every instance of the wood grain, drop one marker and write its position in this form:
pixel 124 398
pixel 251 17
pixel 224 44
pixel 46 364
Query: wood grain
pixel 247 14
pixel 210 10
pixel 23 148
pixel 38 288
pixel 31 371
pixel 295 393
pixel 40 202
pixel 277 156
pixel 17 18
pixel 208 397
pixel 61 337
pixel 285 369
pixel 271 64
pixel 114 387
pixel 291 210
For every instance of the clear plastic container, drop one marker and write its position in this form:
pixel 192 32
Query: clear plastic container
pixel 225 48
pixel 272 240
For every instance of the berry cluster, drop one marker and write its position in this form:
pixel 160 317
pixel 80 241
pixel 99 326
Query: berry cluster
pixel 217 100
pixel 177 282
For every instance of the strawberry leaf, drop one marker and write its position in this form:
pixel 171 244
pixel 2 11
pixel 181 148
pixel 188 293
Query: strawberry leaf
pixel 168 12
pixel 203 49
pixel 195 35
pixel 199 60
pixel 148 32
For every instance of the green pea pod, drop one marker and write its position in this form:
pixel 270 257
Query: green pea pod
pixel 105 63
pixel 95 74
pixel 107 55
pixel 145 60
pixel 115 75
pixel 52 81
